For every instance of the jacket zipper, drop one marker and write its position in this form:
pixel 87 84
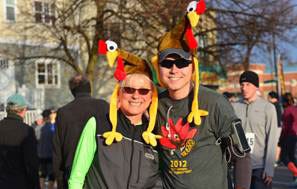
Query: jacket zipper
pixel 139 167
pixel 131 158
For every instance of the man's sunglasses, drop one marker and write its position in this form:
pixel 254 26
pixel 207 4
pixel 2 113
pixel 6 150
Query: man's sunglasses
pixel 141 91
pixel 179 63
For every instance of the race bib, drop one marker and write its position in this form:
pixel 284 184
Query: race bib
pixel 250 137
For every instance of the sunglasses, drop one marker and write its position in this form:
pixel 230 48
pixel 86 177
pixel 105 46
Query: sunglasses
pixel 179 63
pixel 141 91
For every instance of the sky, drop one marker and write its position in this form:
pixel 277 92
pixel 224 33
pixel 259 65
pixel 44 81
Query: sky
pixel 288 65
pixel 291 52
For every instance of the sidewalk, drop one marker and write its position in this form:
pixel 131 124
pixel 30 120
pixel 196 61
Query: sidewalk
pixel 282 179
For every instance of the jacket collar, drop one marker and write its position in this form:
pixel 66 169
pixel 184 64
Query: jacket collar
pixel 14 116
pixel 79 95
pixel 246 102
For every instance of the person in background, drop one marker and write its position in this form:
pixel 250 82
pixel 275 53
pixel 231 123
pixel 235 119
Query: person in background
pixel 70 122
pixel 52 118
pixel 38 122
pixel 274 99
pixel 230 96
pixel 45 148
pixel 18 148
pixel 259 122
pixel 288 136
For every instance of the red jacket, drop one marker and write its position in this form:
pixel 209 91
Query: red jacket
pixel 290 121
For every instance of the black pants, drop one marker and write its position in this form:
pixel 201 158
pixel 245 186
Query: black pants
pixel 46 168
pixel 288 147
pixel 257 180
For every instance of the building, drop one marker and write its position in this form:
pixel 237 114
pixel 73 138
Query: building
pixel 267 82
pixel 24 68
pixel 43 80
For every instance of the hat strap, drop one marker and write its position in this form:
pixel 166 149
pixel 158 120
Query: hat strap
pixel 196 113
pixel 195 103
pixel 153 110
pixel 113 107
pixel 112 135
pixel 147 135
pixel 155 63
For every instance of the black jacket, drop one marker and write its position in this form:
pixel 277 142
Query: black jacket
pixel 70 122
pixel 18 155
pixel 127 164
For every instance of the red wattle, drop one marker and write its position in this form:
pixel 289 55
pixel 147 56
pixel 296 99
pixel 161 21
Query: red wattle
pixel 190 38
pixel 120 73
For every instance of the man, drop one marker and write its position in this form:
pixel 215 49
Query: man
pixel 18 148
pixel 259 122
pixel 194 121
pixel 199 160
pixel 274 99
pixel 70 122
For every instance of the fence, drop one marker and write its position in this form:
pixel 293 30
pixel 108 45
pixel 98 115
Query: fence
pixel 30 116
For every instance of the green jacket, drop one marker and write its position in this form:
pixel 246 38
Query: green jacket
pixel 126 164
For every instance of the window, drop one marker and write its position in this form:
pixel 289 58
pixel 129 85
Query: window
pixel 3 64
pixel 47 73
pixel 44 12
pixel 10 10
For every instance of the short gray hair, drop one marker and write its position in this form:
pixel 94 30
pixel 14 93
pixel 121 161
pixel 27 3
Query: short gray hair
pixel 123 83
pixel 13 108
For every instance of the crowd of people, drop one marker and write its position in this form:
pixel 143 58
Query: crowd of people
pixel 160 129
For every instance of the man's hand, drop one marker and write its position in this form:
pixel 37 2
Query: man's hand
pixel 267 179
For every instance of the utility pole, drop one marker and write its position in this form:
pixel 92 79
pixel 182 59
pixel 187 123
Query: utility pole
pixel 275 62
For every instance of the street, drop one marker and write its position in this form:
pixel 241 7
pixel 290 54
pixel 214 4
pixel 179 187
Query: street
pixel 282 179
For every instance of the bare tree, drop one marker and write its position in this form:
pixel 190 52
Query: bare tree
pixel 73 28
pixel 242 29
pixel 247 26
pixel 238 28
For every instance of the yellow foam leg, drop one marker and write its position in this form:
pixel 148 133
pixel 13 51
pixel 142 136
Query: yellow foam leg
pixel 111 136
pixel 150 138
pixel 196 116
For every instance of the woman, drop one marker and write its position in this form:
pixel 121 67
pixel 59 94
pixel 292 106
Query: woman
pixel 128 163
pixel 288 137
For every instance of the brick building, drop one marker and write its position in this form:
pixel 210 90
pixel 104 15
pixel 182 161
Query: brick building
pixel 267 82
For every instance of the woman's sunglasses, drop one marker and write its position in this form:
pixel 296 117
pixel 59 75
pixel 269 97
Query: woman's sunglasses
pixel 179 63
pixel 141 91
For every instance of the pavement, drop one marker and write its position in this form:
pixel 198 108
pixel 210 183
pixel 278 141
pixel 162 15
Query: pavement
pixel 282 179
